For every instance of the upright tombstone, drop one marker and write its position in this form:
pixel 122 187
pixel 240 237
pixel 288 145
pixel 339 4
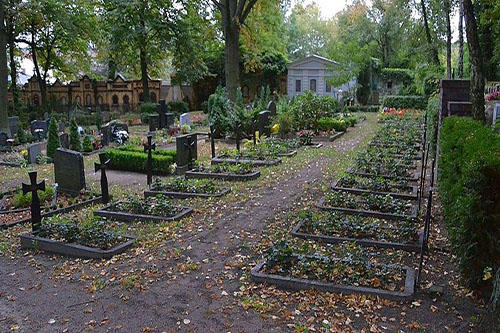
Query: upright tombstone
pixel 184 119
pixel 154 122
pixel 496 114
pixel 61 127
pixel 34 150
pixel 105 135
pixel 271 107
pixel 69 171
pixel 161 108
pixel 169 119
pixel 264 123
pixel 3 139
pixel 39 128
pixel 104 179
pixel 187 152
pixel 149 147
pixel 238 136
pixel 212 140
pixel 64 140
pixel 13 125
pixel 34 187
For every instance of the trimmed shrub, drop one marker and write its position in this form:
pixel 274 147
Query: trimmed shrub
pixel 308 108
pixel 87 144
pixel 405 102
pixel 178 107
pixel 53 140
pixel 74 137
pixel 136 149
pixel 147 110
pixel 136 161
pixel 432 121
pixel 24 200
pixel 469 170
pixel 337 124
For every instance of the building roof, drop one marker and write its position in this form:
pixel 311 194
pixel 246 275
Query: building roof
pixel 313 57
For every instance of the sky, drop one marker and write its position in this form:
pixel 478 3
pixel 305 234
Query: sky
pixel 329 7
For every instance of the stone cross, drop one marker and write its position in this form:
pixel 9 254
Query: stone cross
pixel 149 147
pixel 33 187
pixel 103 166
pixel 212 140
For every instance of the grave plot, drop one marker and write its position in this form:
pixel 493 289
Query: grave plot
pixel 134 159
pixel 154 209
pixel 338 227
pixel 381 186
pixel 224 171
pixel 71 237
pixel 344 268
pixel 186 188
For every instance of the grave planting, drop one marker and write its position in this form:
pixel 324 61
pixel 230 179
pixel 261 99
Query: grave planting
pixel 224 171
pixel 131 158
pixel 186 188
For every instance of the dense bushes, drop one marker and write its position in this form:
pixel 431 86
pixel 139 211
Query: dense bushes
pixel 339 124
pixel 178 107
pixel 131 148
pixel 136 161
pixel 432 121
pixel 308 108
pixel 405 102
pixel 469 170
pixel 147 109
pixel 361 108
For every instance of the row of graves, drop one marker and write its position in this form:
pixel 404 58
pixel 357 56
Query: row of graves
pixel 368 234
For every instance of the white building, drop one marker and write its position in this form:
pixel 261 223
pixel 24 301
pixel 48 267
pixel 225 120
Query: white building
pixel 311 73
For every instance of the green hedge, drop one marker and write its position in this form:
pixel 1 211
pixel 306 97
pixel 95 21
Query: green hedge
pixel 405 102
pixel 308 108
pixel 337 124
pixel 432 112
pixel 136 149
pixel 469 174
pixel 135 161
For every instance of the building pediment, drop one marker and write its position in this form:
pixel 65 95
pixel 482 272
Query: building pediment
pixel 312 62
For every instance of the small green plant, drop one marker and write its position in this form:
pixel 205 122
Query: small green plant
pixel 21 135
pixel 24 200
pixel 74 138
pixel 87 144
pixel 53 140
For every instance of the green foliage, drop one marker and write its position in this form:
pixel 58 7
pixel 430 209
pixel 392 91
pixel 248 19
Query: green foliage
pixel 147 110
pixel 21 135
pixel 178 107
pixel 285 122
pixel 432 121
pixel 239 99
pixel 87 144
pixel 405 102
pixel 364 89
pixel 160 152
pixel 219 109
pixel 74 138
pixel 98 119
pixel 53 139
pixel 469 170
pixel 401 75
pixel 361 108
pixel 308 108
pixel 337 124
pixel 24 200
pixel 136 161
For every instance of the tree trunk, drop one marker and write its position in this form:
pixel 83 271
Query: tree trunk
pixel 232 60
pixel 144 74
pixel 111 69
pixel 476 74
pixel 435 56
pixel 12 61
pixel 447 6
pixel 4 117
pixel 460 40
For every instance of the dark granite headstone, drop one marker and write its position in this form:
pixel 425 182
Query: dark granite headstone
pixel 105 135
pixel 459 109
pixel 64 140
pixel 161 108
pixel 170 119
pixel 187 152
pixel 154 122
pixel 39 128
pixel 264 124
pixel 3 139
pixel 34 150
pixel 271 107
pixel 14 125
pixel 69 171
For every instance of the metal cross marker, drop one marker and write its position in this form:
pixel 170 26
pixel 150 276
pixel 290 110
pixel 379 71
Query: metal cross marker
pixel 253 133
pixel 36 216
pixel 149 147
pixel 238 131
pixel 103 166
pixel 190 146
pixel 212 141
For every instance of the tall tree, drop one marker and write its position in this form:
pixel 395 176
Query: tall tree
pixel 447 9
pixel 233 13
pixel 460 71
pixel 11 22
pixel 476 74
pixel 4 117
pixel 432 47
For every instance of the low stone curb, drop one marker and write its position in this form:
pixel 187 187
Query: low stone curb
pixel 415 178
pixel 360 212
pixel 223 176
pixel 184 195
pixel 220 160
pixel 290 154
pixel 129 217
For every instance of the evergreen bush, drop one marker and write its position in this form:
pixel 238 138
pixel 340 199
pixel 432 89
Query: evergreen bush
pixel 74 138
pixel 53 138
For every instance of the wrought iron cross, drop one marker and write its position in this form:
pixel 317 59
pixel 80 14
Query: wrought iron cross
pixel 149 147
pixel 253 133
pixel 212 140
pixel 238 132
pixel 33 187
pixel 189 146
pixel 103 166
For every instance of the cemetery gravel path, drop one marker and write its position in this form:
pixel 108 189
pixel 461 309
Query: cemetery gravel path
pixel 198 301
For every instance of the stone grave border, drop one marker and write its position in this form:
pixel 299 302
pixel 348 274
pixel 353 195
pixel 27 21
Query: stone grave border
pixel 130 217
pixel 184 195
pixel 314 145
pixel 415 178
pixel 296 284
pixel 371 213
pixel 289 154
pixel 223 176
pixel 412 196
pixel 221 159
pixel 56 211
pixel 9 164
pixel 33 241
pixel 360 241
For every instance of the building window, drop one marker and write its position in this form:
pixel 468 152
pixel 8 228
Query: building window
pixel 153 97
pixel 63 100
pixel 298 87
pixel 78 100
pixel 245 91
pixel 125 99
pixel 115 100
pixel 36 100
pixel 99 100
pixel 389 84
pixel 312 85
pixel 89 100
pixel 328 86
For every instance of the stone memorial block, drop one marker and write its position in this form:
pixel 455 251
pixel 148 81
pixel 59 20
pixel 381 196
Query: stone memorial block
pixel 271 107
pixel 39 128
pixel 3 139
pixel 187 152
pixel 184 119
pixel 69 171
pixel 13 125
pixel 105 135
pixel 34 150
pixel 64 140
pixel 264 123
pixel 161 108
pixel 46 116
pixel 460 109
pixel 61 127
pixel 154 122
pixel 496 113
pixel 169 119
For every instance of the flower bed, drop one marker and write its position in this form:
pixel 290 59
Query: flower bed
pixel 369 205
pixel 156 209
pixel 186 188
pixel 235 172
pixel 338 227
pixel 413 175
pixel 71 239
pixel 227 160
pixel 382 186
pixel 293 268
